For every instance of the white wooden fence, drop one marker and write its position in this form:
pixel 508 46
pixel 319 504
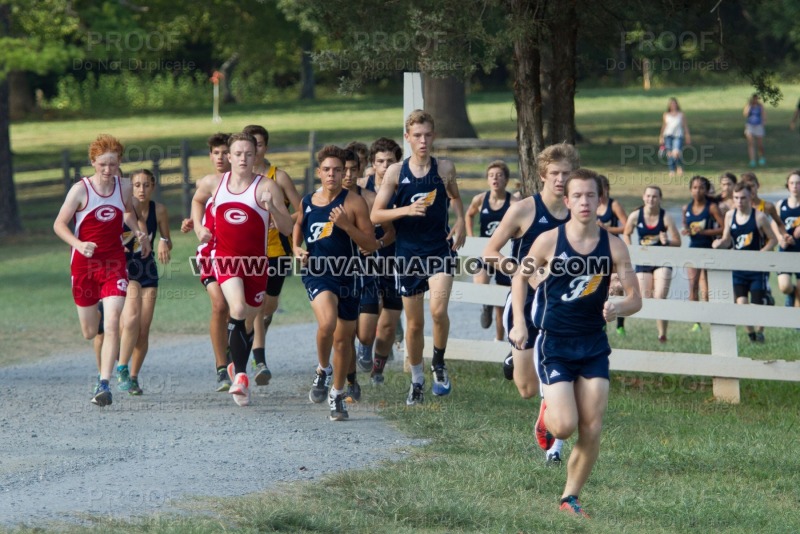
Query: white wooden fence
pixel 724 363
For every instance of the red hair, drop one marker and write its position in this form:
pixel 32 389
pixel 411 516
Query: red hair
pixel 105 143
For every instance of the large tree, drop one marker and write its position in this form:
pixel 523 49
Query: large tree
pixel 32 38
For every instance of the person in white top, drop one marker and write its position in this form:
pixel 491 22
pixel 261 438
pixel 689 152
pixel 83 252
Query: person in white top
pixel 674 135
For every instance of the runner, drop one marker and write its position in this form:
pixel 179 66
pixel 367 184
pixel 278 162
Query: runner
pixel 99 205
pixel 702 222
pixel 218 325
pixel 245 204
pixel 382 154
pixel 611 216
pixel 279 253
pixel 140 303
pixel 334 223
pixel 425 245
pixel 789 211
pixel 745 228
pixel 655 228
pixel 491 206
pixel 575 261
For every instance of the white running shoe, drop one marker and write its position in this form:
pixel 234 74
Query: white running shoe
pixel 241 390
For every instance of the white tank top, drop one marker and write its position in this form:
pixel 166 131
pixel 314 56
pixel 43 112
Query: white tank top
pixel 674 124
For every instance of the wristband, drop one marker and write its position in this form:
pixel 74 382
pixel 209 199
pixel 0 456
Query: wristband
pixel 165 240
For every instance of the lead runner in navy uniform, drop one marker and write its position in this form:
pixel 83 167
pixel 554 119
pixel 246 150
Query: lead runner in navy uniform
pixel 334 223
pixel 572 344
pixel 744 228
pixel 424 187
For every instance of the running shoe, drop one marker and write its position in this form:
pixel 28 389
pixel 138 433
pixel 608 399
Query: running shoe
pixel 263 374
pixel 415 395
pixel 338 408
pixel 662 339
pixel 760 337
pixel 543 436
pixel 364 359
pixel 441 382
pixel 319 387
pixel 123 378
pixel 508 367
pixel 353 393
pixel 621 331
pixel 376 379
pixel 223 381
pixel 102 395
pixel 240 389
pixel 135 390
pixel 573 506
pixel 696 327
pixel 486 317
pixel 762 161
pixel 752 163
pixel 552 459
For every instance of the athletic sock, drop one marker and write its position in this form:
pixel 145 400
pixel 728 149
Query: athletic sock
pixel 378 364
pixel 438 357
pixel 417 374
pixel 238 342
pixel 568 497
pixel 221 367
pixel 557 444
pixel 335 392
pixel 259 356
pixel 351 377
pixel 328 370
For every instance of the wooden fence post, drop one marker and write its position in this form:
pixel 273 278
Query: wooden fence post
pixel 723 337
pixel 309 175
pixel 185 184
pixel 65 170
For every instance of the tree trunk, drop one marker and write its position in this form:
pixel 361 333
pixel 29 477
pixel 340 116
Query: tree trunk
pixel 546 84
pixel 564 36
pixel 527 97
pixel 10 223
pixel 446 100
pixel 227 70
pixel 306 69
pixel 21 101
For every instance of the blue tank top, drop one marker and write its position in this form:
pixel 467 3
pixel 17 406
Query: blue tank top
pixel 489 218
pixel 791 220
pixel 132 245
pixel 609 219
pixel 649 236
pixel 572 297
pixel 746 236
pixel 423 236
pixel 520 246
pixel 370 186
pixel 703 221
pixel 329 247
pixel 754 115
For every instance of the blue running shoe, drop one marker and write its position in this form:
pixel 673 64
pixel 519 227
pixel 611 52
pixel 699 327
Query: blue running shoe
pixel 102 394
pixel 123 378
pixel 441 382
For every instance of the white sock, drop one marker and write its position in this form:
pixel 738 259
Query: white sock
pixel 557 444
pixel 417 374
pixel 334 392
pixel 328 370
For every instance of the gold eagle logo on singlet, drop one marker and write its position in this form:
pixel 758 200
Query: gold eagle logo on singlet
pixel 792 222
pixel 582 286
pixel 697 226
pixel 320 231
pixel 428 197
pixel 744 240
pixel 649 240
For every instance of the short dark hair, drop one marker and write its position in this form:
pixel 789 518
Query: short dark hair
pixel 741 186
pixel 584 174
pixel 331 151
pixel 384 144
pixel 729 175
pixel 254 129
pixel 218 139
pixel 499 164
pixel 147 173
pixel 359 148
pixel 749 177
pixel 351 155
pixel 702 179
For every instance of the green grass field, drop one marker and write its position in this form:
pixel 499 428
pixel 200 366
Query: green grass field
pixel 672 459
